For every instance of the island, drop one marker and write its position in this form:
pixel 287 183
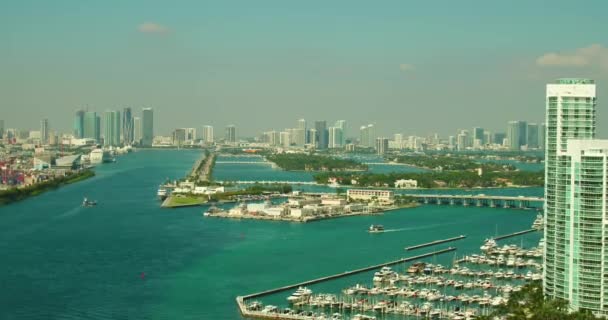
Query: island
pixel 311 162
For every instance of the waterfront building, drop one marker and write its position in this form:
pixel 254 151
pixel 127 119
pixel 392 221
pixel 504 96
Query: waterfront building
pixel 533 135
pixel 189 135
pixel 230 137
pixel 178 136
pixel 137 130
pixel 398 140
pixel 335 137
pixel 127 126
pixel 381 145
pixel 44 131
pixel 91 126
pixel 208 134
pixel 111 132
pixel 463 140
pixel 78 127
pixel 322 134
pixel 575 198
pixel 366 194
pixel 301 124
pixel 147 127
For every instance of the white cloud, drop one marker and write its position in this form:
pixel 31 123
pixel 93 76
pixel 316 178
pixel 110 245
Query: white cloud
pixel 153 28
pixel 406 67
pixel 593 55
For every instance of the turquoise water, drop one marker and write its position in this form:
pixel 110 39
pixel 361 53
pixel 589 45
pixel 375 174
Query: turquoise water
pixel 61 261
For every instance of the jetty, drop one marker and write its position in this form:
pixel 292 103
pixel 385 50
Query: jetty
pixel 518 233
pixel 336 276
pixel 436 242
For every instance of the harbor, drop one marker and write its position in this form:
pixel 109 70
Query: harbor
pixel 471 287
pixel 433 243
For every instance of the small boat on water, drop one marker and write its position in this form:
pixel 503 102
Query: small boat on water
pixel 88 203
pixel 376 228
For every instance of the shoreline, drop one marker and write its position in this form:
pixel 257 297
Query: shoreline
pixel 10 196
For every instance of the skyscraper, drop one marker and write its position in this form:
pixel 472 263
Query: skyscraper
pixel 542 135
pixel 381 145
pixel 207 134
pixel 111 128
pixel 478 135
pixel 137 130
pixel 301 124
pixel 517 134
pixel 532 135
pixel 367 136
pixel 335 137
pixel 231 134
pixel 575 197
pixel 285 139
pixel 44 131
pixel 127 126
pixel 91 126
pixel 342 125
pixel 322 134
pixel 147 127
pixel 79 124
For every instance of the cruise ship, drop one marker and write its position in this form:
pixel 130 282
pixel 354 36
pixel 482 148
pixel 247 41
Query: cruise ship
pixel 98 155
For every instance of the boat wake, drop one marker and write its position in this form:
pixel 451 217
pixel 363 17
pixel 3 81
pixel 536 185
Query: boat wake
pixel 396 230
pixel 69 213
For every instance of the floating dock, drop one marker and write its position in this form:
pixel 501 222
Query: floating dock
pixel 436 242
pixel 244 311
pixel 514 234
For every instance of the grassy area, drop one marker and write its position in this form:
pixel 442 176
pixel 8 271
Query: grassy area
pixel 184 200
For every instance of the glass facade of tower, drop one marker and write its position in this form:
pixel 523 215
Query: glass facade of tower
pixel 570 114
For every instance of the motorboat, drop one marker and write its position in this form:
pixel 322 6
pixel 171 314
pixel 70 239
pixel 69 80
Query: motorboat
pixel 376 228
pixel 88 203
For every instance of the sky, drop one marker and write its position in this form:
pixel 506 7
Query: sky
pixel 412 67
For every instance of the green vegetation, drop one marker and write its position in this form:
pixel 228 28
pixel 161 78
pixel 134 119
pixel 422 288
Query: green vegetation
pixel 450 163
pixel 255 190
pixel 184 200
pixel 309 162
pixel 445 179
pixel 529 303
pixel 17 194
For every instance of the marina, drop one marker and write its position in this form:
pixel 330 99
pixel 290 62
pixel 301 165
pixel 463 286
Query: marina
pixel 433 243
pixel 518 233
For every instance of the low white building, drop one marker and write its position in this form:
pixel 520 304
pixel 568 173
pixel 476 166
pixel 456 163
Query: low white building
pixel 406 184
pixel 365 194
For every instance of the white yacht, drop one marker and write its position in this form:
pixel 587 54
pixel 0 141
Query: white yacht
pixel 98 155
pixel 301 294
pixel 161 193
pixel 488 245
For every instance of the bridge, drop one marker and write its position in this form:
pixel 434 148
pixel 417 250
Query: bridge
pixel 481 200
pixel 312 183
pixel 387 164
pixel 244 162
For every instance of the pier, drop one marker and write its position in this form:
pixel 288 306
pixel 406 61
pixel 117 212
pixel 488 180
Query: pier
pixel 340 275
pixel 312 183
pixel 514 234
pixel 436 242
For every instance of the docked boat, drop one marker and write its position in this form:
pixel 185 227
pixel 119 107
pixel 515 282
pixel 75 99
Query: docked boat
pixel 301 294
pixel 488 245
pixel 88 203
pixel 212 210
pixel 376 228
pixel 99 155
pixel 162 193
pixel 538 223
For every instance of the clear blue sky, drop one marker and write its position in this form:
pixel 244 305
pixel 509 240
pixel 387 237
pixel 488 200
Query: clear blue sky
pixel 409 66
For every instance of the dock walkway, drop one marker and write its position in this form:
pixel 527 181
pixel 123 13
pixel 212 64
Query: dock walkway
pixel 436 242
pixel 514 234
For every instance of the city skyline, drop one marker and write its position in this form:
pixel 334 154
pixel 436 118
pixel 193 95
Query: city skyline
pixel 209 66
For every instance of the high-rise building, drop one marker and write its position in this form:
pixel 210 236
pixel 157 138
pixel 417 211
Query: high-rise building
pixel 137 130
pixel 147 127
pixel 322 134
pixel 398 138
pixel 575 198
pixel 367 136
pixel 478 135
pixel 231 134
pixel 499 137
pixel 284 139
pixel 78 128
pixel 517 134
pixel 381 145
pixel 179 136
pixel 301 124
pixel 542 135
pixel 342 125
pixel 208 134
pixel 111 128
pixel 335 137
pixel 487 137
pixel 44 131
pixel 533 135
pixel 189 135
pixel 127 126
pixel 463 140
pixel 452 142
pixel 312 137
pixel 91 126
